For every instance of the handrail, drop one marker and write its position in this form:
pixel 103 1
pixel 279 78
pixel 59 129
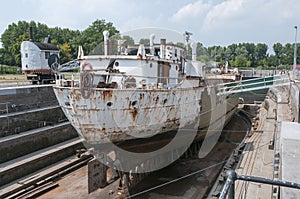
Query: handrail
pixel 60 80
pixel 262 82
pixel 260 78
pixel 232 176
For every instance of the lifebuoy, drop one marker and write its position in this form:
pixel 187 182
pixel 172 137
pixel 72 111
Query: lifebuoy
pixel 85 65
pixel 86 80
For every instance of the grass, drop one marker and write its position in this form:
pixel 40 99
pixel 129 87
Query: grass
pixel 11 74
pixel 12 78
pixel 4 69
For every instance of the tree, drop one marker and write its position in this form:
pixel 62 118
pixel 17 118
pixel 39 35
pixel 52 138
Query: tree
pixel 278 50
pixel 288 54
pixel 145 41
pixel 91 39
pixel 203 58
pixel 241 61
pixel 180 44
pixel 128 40
pixel 68 40
pixel 92 36
pixel 230 52
pixel 272 61
pixel 241 51
pixel 261 51
pixel 65 53
pixel 201 50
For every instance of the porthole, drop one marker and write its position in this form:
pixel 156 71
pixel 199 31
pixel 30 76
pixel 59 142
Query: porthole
pixel 109 104
pixel 165 101
pixel 134 104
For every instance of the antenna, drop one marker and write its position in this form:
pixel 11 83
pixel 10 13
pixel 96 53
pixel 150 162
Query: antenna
pixel 187 39
pixel 187 36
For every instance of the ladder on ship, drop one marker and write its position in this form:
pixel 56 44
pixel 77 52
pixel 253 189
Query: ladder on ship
pixel 253 84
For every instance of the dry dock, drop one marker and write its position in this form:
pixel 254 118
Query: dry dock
pixel 271 150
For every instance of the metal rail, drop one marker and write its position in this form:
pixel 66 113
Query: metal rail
pixel 232 176
pixel 253 84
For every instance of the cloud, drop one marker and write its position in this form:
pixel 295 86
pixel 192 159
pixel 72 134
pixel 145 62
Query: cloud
pixel 213 22
pixel 223 22
pixel 191 10
pixel 226 13
pixel 79 14
pixel 250 14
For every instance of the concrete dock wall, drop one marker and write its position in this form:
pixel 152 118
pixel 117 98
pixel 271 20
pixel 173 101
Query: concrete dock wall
pixel 15 99
pixel 29 142
pixel 15 123
pixel 43 160
pixel 34 132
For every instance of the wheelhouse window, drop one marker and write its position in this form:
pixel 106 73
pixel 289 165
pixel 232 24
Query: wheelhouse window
pixel 47 55
pixel 26 55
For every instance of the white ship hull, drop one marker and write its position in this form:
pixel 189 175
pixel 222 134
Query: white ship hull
pixel 117 115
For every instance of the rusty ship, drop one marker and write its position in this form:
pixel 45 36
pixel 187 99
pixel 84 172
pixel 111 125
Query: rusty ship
pixel 127 92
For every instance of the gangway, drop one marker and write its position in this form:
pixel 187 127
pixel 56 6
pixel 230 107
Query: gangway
pixel 69 66
pixel 253 84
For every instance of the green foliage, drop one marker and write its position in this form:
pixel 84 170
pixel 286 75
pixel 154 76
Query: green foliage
pixel 93 35
pixel 65 52
pixel 67 40
pixel 128 40
pixel 255 54
pixel 241 61
pixel 238 55
pixel 272 61
pixel 180 44
pixel 145 41
pixel 9 69
pixel 203 58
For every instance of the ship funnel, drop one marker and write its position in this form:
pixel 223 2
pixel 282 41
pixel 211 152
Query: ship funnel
pixel 141 51
pixel 80 53
pixel 162 48
pixel 106 37
pixel 47 39
pixel 152 37
pixel 30 34
pixel 120 46
pixel 194 51
pixel 226 67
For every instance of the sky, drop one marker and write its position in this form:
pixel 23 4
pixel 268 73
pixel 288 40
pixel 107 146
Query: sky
pixel 212 22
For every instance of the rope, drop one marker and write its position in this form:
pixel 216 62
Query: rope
pixel 175 180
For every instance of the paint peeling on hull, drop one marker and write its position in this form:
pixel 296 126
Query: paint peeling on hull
pixel 123 114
